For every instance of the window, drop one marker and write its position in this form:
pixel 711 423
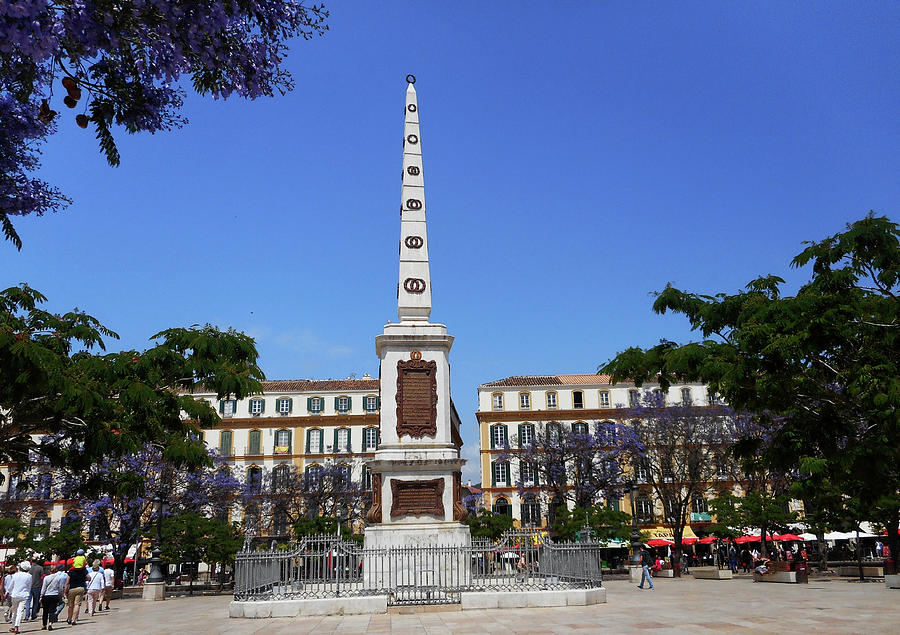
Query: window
pixel 40 523
pixel 609 432
pixel 659 399
pixel 721 467
pixel 370 439
pixel 553 511
pixel 315 404
pixel 641 472
pixel 257 407
pixel 500 473
pixel 686 398
pixel 342 404
pixel 225 442
pixel 254 479
pixel 342 440
pixel 45 485
pixel 603 396
pixel 228 407
pixel 96 528
pixel 284 405
pixel 498 436
pixel 577 399
pixel 251 519
pixel 497 401
pixel 255 445
pixel 713 398
pixel 531 511
pixel 579 427
pixel 313 476
pixel 314 441
pixel 366 478
pixel 282 442
pixel 553 432
pixel 280 478
pixel 551 400
pixel 528 474
pixel 644 509
pixel 699 505
pixel 502 507
pixel 666 470
pixel 279 522
pixel 525 400
pixel 526 434
pixel 634 398
pixel 371 403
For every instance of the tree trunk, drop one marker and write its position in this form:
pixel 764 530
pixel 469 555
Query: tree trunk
pixel 893 539
pixel 859 557
pixel 763 551
pixel 823 552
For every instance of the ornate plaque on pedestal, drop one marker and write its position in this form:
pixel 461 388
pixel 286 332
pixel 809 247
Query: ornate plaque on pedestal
pixel 374 514
pixel 417 498
pixel 416 398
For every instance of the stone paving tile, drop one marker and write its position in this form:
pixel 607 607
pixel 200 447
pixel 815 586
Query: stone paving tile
pixel 675 606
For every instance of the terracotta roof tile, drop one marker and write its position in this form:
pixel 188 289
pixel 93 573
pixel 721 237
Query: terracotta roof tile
pixel 526 380
pixel 314 385
pixel 591 379
pixel 550 380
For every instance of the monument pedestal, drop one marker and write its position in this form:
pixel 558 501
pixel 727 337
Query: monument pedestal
pixel 154 591
pixel 417 555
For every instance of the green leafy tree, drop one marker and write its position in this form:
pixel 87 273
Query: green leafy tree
pixel 604 522
pixel 319 525
pixel 190 538
pixel 753 510
pixel 486 524
pixel 820 369
pixel 63 542
pixel 62 401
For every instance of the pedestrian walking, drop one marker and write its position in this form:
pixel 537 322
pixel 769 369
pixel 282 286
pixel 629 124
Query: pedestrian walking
pixel 733 558
pixel 75 593
pixel 37 577
pixel 646 563
pixel 20 593
pixel 96 585
pixel 110 575
pixel 51 590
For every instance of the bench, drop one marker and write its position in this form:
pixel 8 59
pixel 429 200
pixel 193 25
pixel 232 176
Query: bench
pixel 711 573
pixel 787 577
pixel 664 573
pixel 868 571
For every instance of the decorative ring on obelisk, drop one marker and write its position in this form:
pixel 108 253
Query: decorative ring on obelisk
pixel 413 170
pixel 416 355
pixel 411 108
pixel 414 242
pixel 413 139
pixel 413 203
pixel 414 285
pixel 411 78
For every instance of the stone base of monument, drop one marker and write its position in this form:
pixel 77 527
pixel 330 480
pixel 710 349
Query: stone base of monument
pixel 634 574
pixel 436 559
pixel 524 599
pixel 711 573
pixel 154 591
pixel 892 581
pixel 308 607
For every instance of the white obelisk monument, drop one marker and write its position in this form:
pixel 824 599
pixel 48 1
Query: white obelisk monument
pixel 416 469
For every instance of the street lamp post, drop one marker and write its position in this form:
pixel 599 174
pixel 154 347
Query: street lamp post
pixel 635 534
pixel 156 572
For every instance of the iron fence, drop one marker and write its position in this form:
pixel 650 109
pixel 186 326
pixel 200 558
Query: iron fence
pixel 327 567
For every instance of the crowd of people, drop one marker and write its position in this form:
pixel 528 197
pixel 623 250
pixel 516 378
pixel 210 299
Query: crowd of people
pixel 29 587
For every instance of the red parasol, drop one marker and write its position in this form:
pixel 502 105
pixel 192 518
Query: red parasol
pixel 708 540
pixel 787 537
pixel 689 541
pixel 660 542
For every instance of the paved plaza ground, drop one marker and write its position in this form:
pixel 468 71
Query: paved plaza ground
pixel 675 606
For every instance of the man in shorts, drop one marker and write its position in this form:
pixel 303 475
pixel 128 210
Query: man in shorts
pixel 110 575
pixel 77 589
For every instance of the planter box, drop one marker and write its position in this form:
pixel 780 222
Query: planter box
pixel 787 577
pixel 868 571
pixel 711 573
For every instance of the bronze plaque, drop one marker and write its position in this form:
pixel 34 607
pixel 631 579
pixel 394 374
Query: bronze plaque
pixel 417 498
pixel 416 398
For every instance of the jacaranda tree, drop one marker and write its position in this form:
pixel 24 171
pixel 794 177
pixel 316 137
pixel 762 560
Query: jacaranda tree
pixel 122 63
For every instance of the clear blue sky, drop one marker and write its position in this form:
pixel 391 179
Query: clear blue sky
pixel 578 156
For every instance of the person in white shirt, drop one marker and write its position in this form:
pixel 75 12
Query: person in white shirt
pixel 7 581
pixel 110 575
pixel 96 584
pixel 51 590
pixel 20 591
